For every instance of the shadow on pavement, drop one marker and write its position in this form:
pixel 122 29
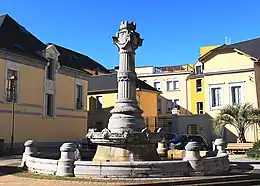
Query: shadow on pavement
pixel 244 165
pixel 9 169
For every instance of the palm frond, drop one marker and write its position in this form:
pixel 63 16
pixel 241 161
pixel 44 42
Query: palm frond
pixel 241 117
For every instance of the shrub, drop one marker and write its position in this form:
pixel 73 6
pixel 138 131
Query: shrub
pixel 255 151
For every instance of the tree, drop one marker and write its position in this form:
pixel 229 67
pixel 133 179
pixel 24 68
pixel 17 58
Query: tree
pixel 241 117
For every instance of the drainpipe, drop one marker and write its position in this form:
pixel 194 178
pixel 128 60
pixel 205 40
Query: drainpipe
pixel 187 97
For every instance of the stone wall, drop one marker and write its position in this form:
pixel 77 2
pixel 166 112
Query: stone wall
pixel 132 169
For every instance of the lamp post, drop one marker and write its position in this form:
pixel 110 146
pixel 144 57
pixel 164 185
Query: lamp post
pixel 12 92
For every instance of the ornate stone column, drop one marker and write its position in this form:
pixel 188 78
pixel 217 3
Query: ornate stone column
pixel 126 115
pixel 126 138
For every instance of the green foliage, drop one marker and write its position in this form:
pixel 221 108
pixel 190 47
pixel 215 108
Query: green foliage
pixel 255 151
pixel 241 117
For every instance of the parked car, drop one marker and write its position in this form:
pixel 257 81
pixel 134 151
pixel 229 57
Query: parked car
pixel 181 141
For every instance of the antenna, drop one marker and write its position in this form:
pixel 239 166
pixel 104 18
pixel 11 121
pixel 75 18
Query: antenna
pixel 227 40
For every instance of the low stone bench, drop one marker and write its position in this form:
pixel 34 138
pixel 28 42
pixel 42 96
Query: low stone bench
pixel 238 147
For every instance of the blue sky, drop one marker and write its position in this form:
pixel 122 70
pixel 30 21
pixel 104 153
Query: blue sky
pixel 172 30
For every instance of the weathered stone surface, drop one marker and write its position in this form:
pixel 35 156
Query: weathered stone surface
pixel 192 154
pixel 220 145
pixel 40 165
pixel 126 115
pixel 125 152
pixel 29 150
pixel 162 149
pixel 214 165
pixel 192 151
pixel 66 161
pixel 132 169
pixel 126 124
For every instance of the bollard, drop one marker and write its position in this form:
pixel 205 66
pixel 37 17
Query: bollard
pixel 220 143
pixel 192 154
pixel 29 150
pixel 162 149
pixel 66 161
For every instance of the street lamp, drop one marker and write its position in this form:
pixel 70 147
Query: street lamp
pixel 12 93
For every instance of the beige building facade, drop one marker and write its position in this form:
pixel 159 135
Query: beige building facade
pixel 171 81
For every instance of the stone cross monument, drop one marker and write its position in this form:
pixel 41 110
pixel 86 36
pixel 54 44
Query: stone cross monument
pixel 126 137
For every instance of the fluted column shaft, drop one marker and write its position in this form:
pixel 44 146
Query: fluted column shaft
pixel 126 77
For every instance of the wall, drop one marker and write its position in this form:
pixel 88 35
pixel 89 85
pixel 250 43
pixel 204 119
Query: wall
pixel 203 122
pixel 144 70
pixel 30 122
pixel 195 96
pixel 178 94
pixel 228 61
pixel 206 49
pixel 231 65
pixel 257 81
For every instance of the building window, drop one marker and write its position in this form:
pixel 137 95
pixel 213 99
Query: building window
pixel 192 129
pixel 99 103
pixel 50 71
pixel 199 107
pixel 159 106
pixel 157 84
pixel 169 105
pixel 79 97
pixel 11 86
pixel 198 85
pixel 236 93
pixel 216 96
pixel 49 105
pixel 172 85
pixel 198 69
pixel 176 104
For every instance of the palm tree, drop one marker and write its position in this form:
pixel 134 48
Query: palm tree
pixel 241 117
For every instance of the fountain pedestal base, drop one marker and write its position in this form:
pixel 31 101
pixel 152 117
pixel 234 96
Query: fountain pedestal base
pixel 126 152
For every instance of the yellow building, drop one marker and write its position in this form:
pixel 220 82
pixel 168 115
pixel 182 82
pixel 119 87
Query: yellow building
pixel 171 81
pixel 102 96
pixel 196 100
pixel 206 49
pixel 49 94
pixel 231 76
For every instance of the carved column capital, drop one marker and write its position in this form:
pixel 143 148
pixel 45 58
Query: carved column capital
pixel 126 39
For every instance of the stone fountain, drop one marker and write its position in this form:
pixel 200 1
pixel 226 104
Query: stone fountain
pixel 126 137
pixel 126 149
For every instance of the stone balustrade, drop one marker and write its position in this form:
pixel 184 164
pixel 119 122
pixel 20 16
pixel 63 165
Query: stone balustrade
pixel 67 166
